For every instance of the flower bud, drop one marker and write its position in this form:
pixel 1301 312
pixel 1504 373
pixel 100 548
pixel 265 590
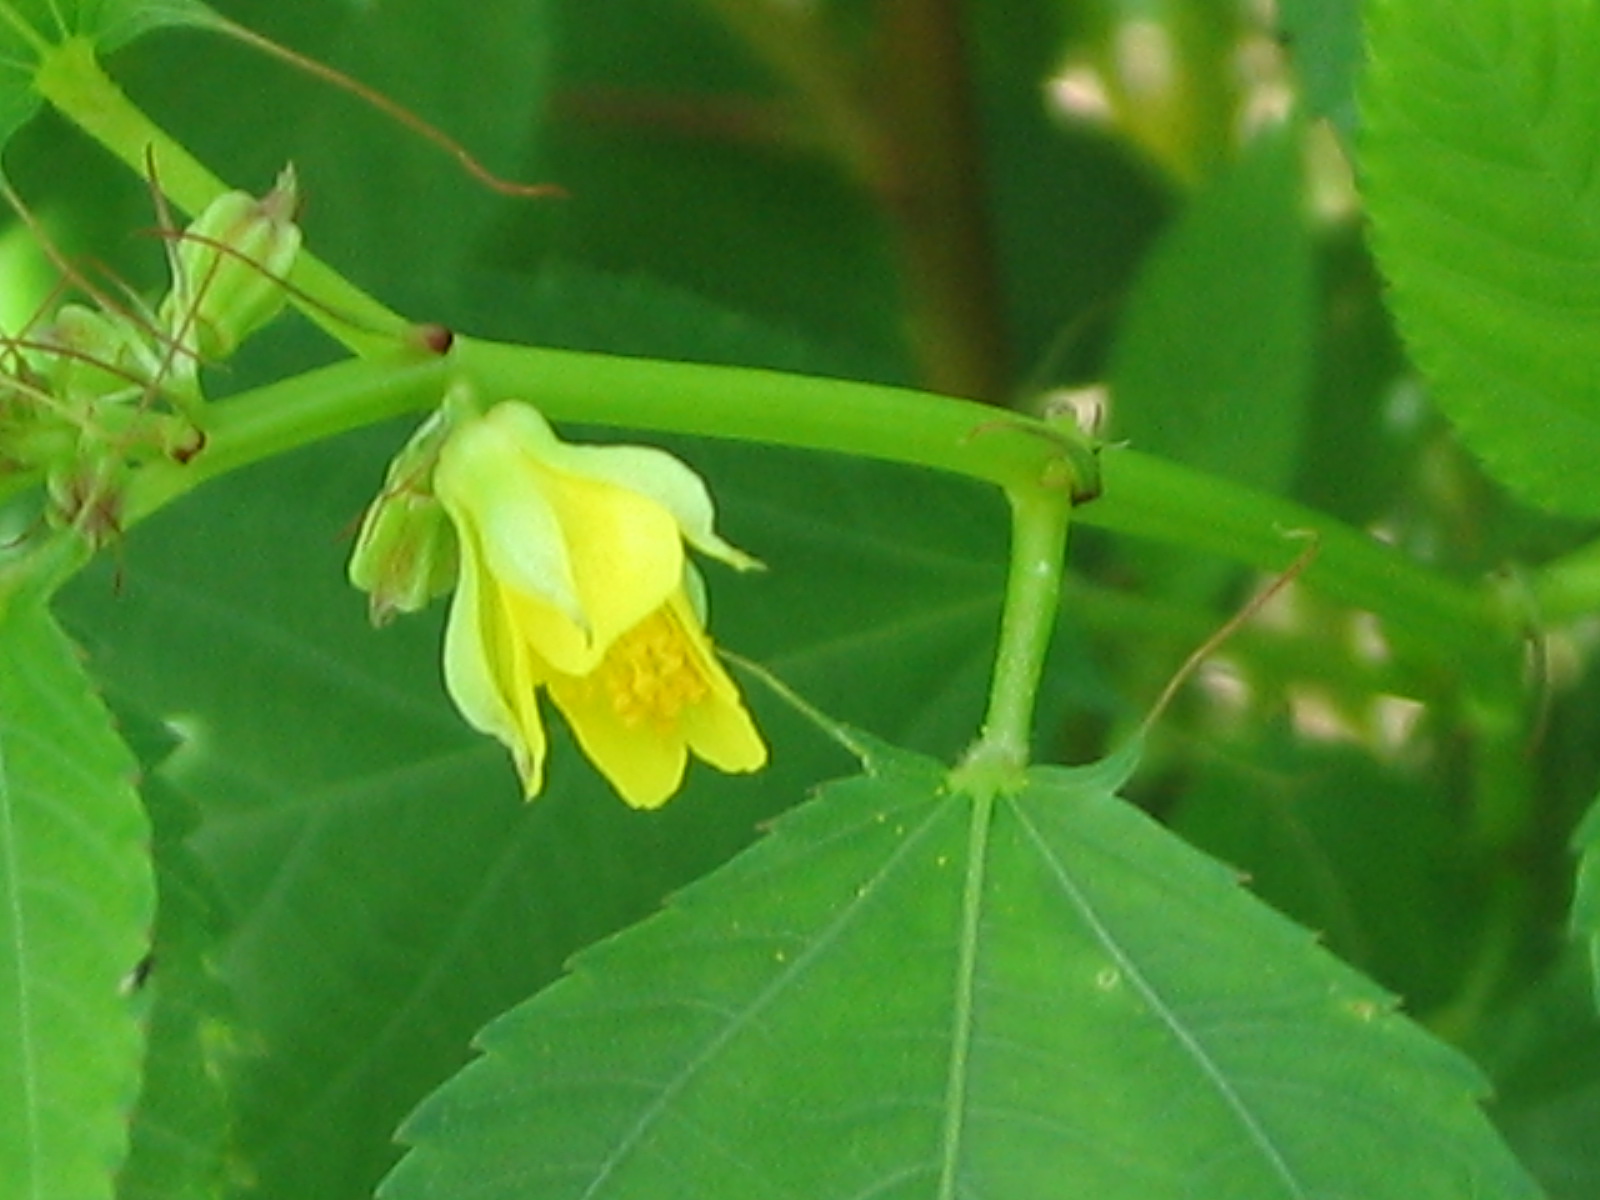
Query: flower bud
pixel 87 497
pixel 405 554
pixel 228 268
pixel 92 355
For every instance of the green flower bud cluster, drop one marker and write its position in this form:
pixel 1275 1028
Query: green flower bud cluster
pixel 228 269
pixel 93 390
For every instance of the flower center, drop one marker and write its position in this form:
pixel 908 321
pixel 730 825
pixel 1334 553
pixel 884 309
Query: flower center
pixel 650 672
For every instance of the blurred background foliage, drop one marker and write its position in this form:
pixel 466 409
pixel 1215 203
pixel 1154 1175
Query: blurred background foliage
pixel 1144 208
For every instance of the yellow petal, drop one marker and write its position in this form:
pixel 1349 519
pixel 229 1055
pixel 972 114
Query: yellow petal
pixel 644 762
pixel 659 694
pixel 489 671
pixel 573 577
pixel 626 556
pixel 718 729
pixel 643 469
pixel 720 732
pixel 495 493
pixel 667 481
pixel 589 558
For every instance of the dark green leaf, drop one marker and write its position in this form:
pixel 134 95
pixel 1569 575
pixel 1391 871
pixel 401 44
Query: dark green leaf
pixel 1479 163
pixel 905 993
pixel 1213 363
pixel 179 1131
pixel 1324 40
pixel 76 902
pixel 1546 1076
pixel 1212 366
pixel 1365 853
pixel 686 163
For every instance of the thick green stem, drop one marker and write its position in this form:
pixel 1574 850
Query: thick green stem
pixel 286 415
pixel 1039 519
pixel 1150 497
pixel 1143 496
pixel 890 423
pixel 70 78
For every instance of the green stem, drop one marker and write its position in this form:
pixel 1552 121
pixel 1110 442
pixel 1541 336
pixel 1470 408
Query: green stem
pixel 1485 979
pixel 1143 496
pixel 895 424
pixel 286 415
pixel 71 79
pixel 1153 498
pixel 1039 520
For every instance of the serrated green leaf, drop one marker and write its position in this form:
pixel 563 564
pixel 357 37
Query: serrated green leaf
pixel 904 993
pixel 75 907
pixel 330 765
pixel 1364 852
pixel 1479 159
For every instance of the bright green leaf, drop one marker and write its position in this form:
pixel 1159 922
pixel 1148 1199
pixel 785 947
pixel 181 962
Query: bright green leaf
pixel 75 907
pixel 1479 162
pixel 115 23
pixel 904 993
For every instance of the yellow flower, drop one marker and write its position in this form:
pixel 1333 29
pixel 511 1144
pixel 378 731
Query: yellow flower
pixel 573 578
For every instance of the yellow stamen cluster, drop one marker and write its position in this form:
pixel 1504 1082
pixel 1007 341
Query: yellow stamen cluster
pixel 649 675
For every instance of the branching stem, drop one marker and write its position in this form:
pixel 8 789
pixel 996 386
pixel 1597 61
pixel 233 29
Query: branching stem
pixel 1039 521
pixel 1143 496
